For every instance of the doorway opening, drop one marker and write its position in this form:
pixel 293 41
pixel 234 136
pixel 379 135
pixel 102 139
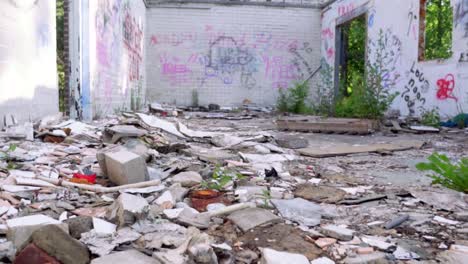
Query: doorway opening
pixel 351 63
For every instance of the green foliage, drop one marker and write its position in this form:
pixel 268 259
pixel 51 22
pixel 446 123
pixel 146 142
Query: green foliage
pixel 431 117
pixel 453 176
pixel 439 26
pixel 294 99
pixel 371 95
pixel 220 178
pixel 356 35
pixel 326 95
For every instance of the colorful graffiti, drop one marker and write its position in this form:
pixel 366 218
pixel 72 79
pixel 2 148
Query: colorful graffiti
pixel 412 23
pixel 345 9
pixel 445 88
pixel 119 56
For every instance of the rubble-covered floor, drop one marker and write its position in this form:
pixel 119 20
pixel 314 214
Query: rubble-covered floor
pixel 287 208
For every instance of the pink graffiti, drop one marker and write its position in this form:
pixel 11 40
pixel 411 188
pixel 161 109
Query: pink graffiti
pixel 280 71
pixel 327 33
pixel 345 9
pixel 133 40
pixel 330 53
pixel 173 39
pixel 446 87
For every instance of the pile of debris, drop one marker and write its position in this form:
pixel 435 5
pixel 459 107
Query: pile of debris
pixel 146 188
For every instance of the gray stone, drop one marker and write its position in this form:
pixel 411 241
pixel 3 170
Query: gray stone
pixel 461 216
pixel 178 192
pixel 60 245
pixel 127 209
pixel 319 194
pixel 200 250
pixel 252 217
pixel 188 178
pixel 170 257
pixel 78 225
pixel 292 142
pixel 270 256
pixel 338 232
pixel 126 257
pixel 374 258
pixel 189 218
pixel 299 210
pixel 125 167
pixel 20 229
pixel 322 260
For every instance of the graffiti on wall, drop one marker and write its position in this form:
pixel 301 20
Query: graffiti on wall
pixel 415 89
pixel 460 16
pixel 133 41
pixel 328 37
pixel 446 88
pixel 412 23
pixel 240 59
pixel 119 41
pixel 345 9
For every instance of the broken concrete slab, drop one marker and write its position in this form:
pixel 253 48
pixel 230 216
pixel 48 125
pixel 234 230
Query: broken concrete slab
pixel 338 232
pixel 213 155
pixel 60 245
pixel 270 256
pixel 127 209
pixel 445 199
pixel 322 260
pixel 125 167
pixel 103 227
pixel 378 242
pixel 115 133
pixel 343 150
pixel 189 218
pixel 20 229
pixel 187 178
pixel 325 242
pixel 7 251
pixel 320 194
pixel 252 217
pixel 155 122
pixel 126 257
pixel 299 210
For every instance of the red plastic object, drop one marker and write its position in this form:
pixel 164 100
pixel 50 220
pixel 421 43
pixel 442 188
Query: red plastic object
pixel 83 177
pixel 33 254
pixel 202 198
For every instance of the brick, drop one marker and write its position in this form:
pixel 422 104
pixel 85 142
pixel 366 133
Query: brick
pixel 33 254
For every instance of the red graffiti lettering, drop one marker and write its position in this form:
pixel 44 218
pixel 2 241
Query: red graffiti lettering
pixel 446 87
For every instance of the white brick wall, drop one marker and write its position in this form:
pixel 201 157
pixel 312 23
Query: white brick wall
pixel 28 71
pixel 228 54
pixel 116 55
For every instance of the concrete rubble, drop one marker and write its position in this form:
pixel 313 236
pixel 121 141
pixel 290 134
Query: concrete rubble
pixel 124 190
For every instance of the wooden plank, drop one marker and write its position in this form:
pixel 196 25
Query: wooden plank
pixel 344 150
pixel 327 125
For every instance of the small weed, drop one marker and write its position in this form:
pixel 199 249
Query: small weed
pixel 453 176
pixel 431 118
pixel 266 197
pixel 293 100
pixel 220 178
pixel 6 156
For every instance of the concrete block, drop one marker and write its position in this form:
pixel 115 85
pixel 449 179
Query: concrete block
pixel 60 245
pixel 292 142
pixel 20 229
pixel 374 258
pixel 338 232
pixel 270 256
pixel 125 257
pixel 252 217
pixel 125 167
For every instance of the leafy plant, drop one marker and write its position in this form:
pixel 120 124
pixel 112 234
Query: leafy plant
pixel 431 117
pixel 294 99
pixel 220 178
pixel 6 155
pixel 453 176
